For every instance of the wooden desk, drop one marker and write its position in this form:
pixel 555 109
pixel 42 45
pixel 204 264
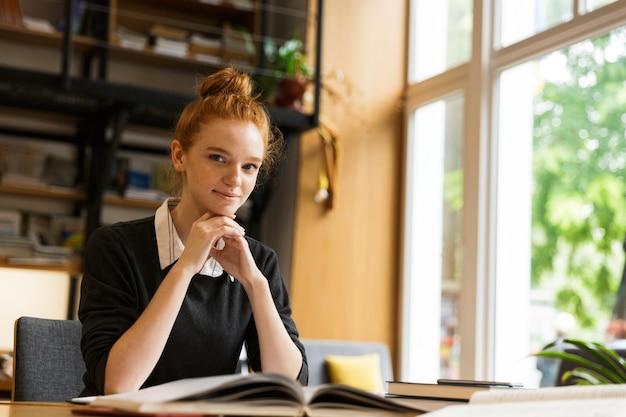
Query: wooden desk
pixel 24 409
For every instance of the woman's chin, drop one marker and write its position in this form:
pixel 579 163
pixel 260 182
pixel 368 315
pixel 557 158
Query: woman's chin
pixel 226 211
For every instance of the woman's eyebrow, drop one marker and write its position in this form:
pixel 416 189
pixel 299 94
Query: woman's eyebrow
pixel 218 149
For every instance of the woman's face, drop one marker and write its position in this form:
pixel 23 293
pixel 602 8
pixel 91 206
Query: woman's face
pixel 220 168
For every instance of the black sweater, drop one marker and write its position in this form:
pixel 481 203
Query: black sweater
pixel 122 273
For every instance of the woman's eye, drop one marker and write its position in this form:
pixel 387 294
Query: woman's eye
pixel 216 157
pixel 250 167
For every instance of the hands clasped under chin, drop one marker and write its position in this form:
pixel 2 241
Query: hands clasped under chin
pixel 235 257
pixel 203 238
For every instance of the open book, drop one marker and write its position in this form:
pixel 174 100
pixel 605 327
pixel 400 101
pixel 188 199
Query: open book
pixel 253 395
pixel 566 401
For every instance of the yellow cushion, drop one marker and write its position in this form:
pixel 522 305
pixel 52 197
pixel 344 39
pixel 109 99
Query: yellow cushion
pixel 361 371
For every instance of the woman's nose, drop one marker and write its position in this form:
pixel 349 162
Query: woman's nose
pixel 233 176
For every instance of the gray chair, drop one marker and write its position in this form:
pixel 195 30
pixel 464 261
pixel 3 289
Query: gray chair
pixel 47 362
pixel 317 349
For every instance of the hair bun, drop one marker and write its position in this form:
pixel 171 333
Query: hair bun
pixel 228 81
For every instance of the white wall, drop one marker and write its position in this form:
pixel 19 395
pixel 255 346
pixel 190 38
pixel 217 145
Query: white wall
pixel 25 292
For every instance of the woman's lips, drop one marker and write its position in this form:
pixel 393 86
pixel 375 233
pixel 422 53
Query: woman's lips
pixel 228 195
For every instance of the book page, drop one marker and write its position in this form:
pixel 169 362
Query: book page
pixel 550 393
pixel 332 396
pixel 217 388
pixel 613 407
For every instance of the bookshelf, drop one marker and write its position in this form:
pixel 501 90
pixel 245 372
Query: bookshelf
pixel 205 19
pixel 101 108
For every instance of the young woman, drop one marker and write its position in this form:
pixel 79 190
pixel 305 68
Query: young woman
pixel 178 294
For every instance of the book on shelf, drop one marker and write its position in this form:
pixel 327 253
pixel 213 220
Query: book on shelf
pixel 149 194
pixel 168 32
pixel 36 225
pixel 68 231
pixel 201 47
pixel 21 165
pixel 171 47
pixel 23 250
pixel 169 40
pixel 207 59
pixel 22 180
pixel 119 175
pixel 15 246
pixel 566 401
pixel 236 4
pixel 11 12
pixel 130 39
pixel 456 390
pixel 60 172
pixel 10 222
pixel 252 395
pixel 78 14
pixel 38 24
pixel 241 4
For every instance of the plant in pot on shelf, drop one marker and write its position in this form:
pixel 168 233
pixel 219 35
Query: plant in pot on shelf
pixel 292 72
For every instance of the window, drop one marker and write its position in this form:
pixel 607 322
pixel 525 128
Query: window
pixel 434 259
pixel 498 264
pixel 441 34
pixel 520 20
pixel 560 152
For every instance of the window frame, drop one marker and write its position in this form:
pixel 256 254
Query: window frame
pixel 477 80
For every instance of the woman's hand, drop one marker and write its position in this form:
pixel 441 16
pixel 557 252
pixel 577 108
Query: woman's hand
pixel 236 259
pixel 203 238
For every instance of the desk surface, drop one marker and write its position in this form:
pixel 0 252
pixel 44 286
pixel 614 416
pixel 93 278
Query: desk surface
pixel 8 409
pixel 32 409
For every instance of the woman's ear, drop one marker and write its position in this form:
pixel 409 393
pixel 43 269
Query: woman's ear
pixel 177 153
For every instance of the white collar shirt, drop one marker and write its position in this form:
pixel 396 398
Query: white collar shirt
pixel 170 246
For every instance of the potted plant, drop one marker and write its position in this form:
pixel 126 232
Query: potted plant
pixel 596 363
pixel 291 70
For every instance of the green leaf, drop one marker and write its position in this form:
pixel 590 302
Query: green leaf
pixel 604 367
pixel 607 358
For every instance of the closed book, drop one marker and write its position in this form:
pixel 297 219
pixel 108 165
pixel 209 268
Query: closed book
pixel 457 392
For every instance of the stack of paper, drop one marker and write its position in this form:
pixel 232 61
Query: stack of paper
pixel 169 40
pixel 131 39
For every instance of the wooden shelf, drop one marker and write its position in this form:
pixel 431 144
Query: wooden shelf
pixel 54 40
pixel 223 9
pixel 73 267
pixel 130 202
pixel 74 195
pixel 43 192
pixel 148 57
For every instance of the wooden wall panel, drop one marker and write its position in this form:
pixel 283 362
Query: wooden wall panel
pixel 344 275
